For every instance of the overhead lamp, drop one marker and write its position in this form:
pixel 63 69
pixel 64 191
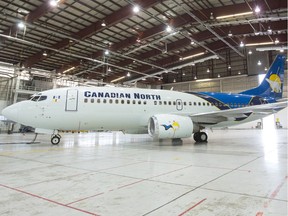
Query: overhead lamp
pixel 192 56
pixel 128 74
pixel 276 41
pixel 239 72
pixel 259 63
pixel 181 58
pixel 234 15
pixel 250 52
pixel 219 76
pixel 241 44
pixel 109 69
pixel 230 34
pixel 257 9
pixel 192 42
pixel 136 9
pixel 256 33
pixel 269 30
pixel 174 80
pixel 106 52
pixel 118 79
pixel 21 25
pixel 193 64
pixel 66 71
pixel 138 40
pixel 211 16
pixel 54 3
pixel 281 50
pixel 144 79
pixel 195 77
pixel 103 23
pixel 168 28
pixel 229 67
pixel 183 74
pixel 265 68
pixel 259 44
pixel 208 70
pixel 44 53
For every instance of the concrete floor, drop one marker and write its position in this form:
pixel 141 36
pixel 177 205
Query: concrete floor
pixel 238 172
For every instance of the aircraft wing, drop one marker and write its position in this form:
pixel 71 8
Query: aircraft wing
pixel 237 114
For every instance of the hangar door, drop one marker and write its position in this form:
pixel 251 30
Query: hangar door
pixel 72 100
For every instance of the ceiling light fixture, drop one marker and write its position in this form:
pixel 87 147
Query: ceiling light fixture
pixel 211 16
pixel 208 70
pixel 259 63
pixel 44 53
pixel 265 68
pixel 230 34
pixel 257 9
pixel 54 3
pixel 174 80
pixel 66 71
pixel 128 74
pixel 195 77
pixel 234 15
pixel 168 28
pixel 136 9
pixel 106 52
pixel 21 25
pixel 229 67
pixel 192 56
pixel 109 69
pixel 269 30
pixel 276 41
pixel 219 76
pixel 250 52
pixel 256 33
pixel 192 42
pixel 118 79
pixel 242 44
pixel 103 23
pixel 259 44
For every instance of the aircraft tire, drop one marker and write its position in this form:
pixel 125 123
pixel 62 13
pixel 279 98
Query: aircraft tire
pixel 200 137
pixel 203 137
pixel 55 140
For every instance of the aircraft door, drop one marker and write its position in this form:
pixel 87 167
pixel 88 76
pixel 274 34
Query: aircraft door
pixel 72 100
pixel 179 104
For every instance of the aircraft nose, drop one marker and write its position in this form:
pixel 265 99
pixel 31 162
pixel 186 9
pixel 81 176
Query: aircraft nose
pixel 11 113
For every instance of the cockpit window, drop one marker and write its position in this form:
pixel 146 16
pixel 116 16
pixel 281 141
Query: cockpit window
pixel 43 97
pixel 38 98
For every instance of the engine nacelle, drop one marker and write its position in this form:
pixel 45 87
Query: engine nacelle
pixel 166 126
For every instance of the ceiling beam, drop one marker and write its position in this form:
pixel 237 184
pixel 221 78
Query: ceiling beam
pixel 112 19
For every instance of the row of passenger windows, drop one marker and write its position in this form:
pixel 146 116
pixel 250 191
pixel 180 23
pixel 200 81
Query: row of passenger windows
pixel 117 101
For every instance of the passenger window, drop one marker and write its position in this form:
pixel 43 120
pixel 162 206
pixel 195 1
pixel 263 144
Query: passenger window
pixel 144 102
pixel 160 102
pixel 110 101
pixel 203 103
pixel 169 103
pixel 92 100
pixel 208 104
pixel 122 101
pixel 139 102
pixel 104 100
pixel 165 102
pixel 190 103
pixel 134 102
pixel 155 102
pixel 116 101
pixel 85 100
pixel 199 103
pixel 185 104
pixel 128 101
pixel 174 103
pixel 195 104
pixel 98 101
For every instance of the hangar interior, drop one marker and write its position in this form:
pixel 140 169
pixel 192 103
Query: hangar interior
pixel 184 45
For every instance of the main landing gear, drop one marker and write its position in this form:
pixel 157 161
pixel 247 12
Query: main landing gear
pixel 55 139
pixel 200 137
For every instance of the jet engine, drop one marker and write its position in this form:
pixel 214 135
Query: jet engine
pixel 166 126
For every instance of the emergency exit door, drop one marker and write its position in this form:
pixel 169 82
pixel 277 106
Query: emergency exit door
pixel 72 100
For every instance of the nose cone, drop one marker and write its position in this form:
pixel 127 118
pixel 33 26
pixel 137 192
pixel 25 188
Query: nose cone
pixel 11 112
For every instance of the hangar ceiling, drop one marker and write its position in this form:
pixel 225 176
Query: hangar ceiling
pixel 127 40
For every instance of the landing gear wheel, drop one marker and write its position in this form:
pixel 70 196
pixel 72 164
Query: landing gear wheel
pixel 55 139
pixel 200 137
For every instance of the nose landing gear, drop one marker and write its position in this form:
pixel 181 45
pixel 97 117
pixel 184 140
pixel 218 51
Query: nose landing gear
pixel 55 139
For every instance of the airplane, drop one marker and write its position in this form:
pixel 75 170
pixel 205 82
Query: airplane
pixel 163 114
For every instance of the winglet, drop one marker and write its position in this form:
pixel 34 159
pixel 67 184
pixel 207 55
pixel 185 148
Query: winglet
pixel 272 84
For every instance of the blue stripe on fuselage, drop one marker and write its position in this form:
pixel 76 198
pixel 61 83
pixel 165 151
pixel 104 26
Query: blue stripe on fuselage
pixel 225 101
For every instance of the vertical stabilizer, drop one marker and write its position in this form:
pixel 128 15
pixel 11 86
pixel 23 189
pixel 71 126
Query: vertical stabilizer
pixel 272 84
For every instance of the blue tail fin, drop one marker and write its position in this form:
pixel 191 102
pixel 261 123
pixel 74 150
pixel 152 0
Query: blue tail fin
pixel 272 84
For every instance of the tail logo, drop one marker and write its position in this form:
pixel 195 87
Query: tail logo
pixel 275 83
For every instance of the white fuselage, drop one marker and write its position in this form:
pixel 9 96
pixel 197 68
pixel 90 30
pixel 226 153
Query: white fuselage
pixel 107 108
